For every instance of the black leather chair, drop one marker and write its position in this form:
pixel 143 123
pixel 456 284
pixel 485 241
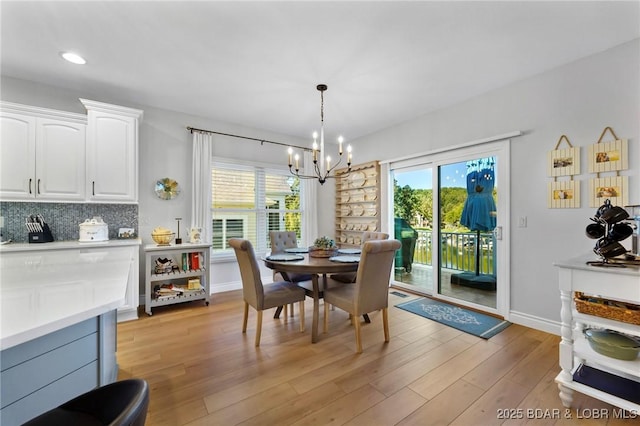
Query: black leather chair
pixel 122 403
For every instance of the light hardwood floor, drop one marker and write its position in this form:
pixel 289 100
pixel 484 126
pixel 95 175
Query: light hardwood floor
pixel 203 371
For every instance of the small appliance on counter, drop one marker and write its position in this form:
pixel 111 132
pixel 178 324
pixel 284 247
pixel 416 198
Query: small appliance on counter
pixel 94 230
pixel 39 231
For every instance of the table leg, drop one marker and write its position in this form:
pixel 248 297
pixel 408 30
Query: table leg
pixel 316 308
pixel 276 314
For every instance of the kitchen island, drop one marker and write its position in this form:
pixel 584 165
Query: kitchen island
pixel 129 309
pixel 57 325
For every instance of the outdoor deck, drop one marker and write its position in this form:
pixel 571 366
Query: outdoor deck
pixel 422 275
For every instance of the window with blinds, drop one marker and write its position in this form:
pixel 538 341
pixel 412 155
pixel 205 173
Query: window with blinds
pixel 250 201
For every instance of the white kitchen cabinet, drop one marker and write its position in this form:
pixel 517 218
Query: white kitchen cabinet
pixel 42 154
pixel 583 369
pixel 112 152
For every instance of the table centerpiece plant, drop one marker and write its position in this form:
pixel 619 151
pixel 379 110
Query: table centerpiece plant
pixel 323 247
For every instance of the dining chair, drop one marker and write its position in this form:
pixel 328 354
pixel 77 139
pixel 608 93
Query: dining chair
pixel 370 292
pixel 259 296
pixel 350 277
pixel 280 241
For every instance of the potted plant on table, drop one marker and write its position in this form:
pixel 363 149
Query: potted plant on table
pixel 323 247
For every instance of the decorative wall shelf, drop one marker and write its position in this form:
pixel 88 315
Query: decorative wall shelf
pixel 357 203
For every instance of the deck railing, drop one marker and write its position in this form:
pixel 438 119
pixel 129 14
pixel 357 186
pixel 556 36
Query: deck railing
pixel 458 251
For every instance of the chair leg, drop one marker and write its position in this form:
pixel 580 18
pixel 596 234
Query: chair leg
pixel 259 328
pixel 358 340
pixel 291 314
pixel 385 323
pixel 301 315
pixel 245 318
pixel 286 309
pixel 325 325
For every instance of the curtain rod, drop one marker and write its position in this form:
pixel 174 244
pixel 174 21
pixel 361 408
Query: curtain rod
pixel 262 141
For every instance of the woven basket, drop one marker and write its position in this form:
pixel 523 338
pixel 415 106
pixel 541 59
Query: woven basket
pixel 320 252
pixel 605 308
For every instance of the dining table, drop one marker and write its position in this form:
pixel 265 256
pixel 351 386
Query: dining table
pixel 298 261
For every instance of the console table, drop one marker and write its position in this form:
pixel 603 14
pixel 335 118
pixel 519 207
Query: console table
pixel 621 284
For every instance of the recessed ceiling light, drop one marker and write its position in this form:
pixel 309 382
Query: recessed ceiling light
pixel 73 58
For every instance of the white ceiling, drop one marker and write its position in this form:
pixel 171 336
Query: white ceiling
pixel 258 63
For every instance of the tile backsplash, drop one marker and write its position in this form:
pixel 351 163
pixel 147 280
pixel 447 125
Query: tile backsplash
pixel 64 218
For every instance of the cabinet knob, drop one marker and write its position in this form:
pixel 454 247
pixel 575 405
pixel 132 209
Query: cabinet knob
pixel 38 187
pixel 30 186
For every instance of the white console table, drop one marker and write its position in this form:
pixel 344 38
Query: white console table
pixel 622 284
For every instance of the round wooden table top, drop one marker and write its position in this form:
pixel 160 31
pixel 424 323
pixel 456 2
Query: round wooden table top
pixel 311 265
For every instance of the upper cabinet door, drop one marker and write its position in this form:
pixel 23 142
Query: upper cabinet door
pixel 17 156
pixel 60 160
pixel 112 153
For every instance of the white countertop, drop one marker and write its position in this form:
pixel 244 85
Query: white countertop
pixel 66 245
pixel 44 290
pixel 581 264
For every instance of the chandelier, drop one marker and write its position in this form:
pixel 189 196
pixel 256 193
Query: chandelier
pixel 322 165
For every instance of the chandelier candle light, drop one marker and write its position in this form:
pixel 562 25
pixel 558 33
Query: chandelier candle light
pixel 323 166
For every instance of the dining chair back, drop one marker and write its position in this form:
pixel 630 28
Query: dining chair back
pixel 371 289
pixel 373 235
pixel 280 241
pixel 259 296
pixel 350 277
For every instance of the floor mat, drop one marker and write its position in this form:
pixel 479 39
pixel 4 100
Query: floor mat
pixel 471 322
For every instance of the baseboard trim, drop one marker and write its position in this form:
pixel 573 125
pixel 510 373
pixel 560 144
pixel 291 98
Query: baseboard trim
pixel 535 322
pixel 236 285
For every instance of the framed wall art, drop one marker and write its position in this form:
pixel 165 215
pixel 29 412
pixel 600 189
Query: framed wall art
pixel 563 162
pixel 614 188
pixel 609 156
pixel 564 194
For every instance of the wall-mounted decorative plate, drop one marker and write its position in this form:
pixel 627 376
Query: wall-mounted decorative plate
pixel 167 189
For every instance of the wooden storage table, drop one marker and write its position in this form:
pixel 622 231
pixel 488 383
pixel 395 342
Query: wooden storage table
pixel 621 284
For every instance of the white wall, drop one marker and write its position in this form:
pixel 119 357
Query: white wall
pixel 578 100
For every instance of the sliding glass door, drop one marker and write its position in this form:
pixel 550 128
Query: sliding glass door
pixel 446 214
pixel 413 227
pixel 466 202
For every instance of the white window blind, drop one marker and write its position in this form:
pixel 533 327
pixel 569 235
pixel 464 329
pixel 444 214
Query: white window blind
pixel 250 201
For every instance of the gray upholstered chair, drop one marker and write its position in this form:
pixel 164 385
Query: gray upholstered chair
pixel 350 277
pixel 370 292
pixel 260 296
pixel 280 241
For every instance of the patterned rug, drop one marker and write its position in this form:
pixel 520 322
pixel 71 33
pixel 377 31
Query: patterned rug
pixel 471 322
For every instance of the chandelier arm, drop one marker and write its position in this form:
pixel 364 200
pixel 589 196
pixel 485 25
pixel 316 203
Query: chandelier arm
pixel 301 176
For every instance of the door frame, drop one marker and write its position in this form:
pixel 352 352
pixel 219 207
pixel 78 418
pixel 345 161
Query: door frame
pixel 498 147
